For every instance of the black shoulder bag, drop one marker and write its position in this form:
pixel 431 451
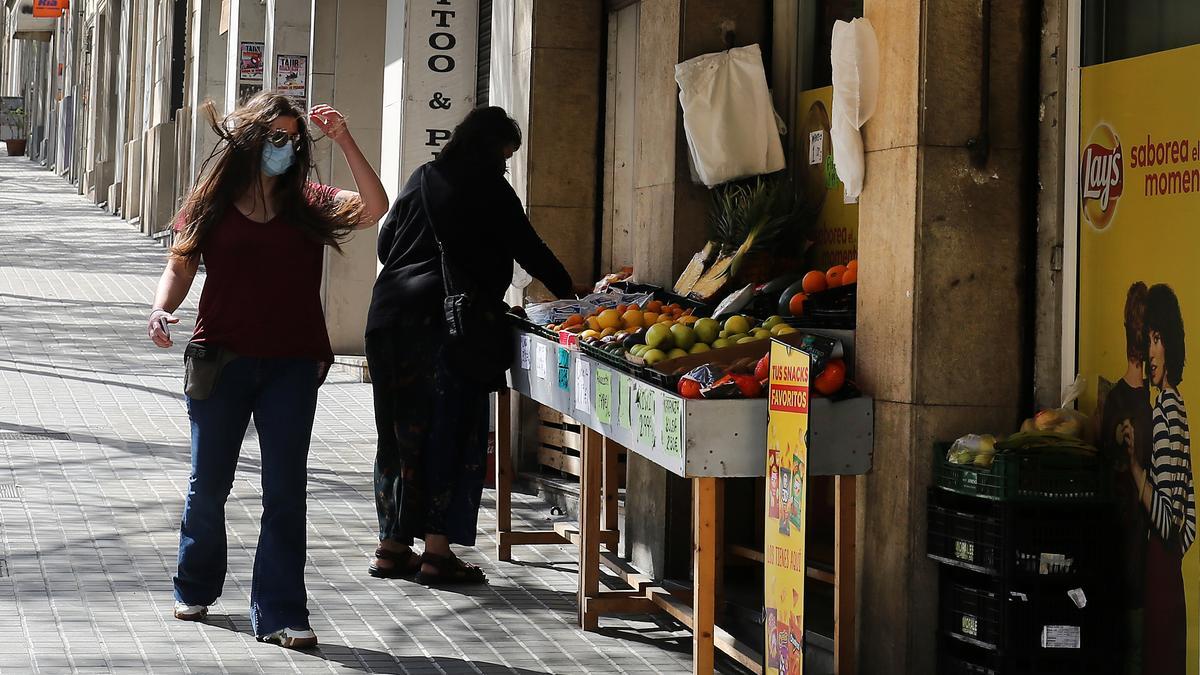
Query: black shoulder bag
pixel 480 348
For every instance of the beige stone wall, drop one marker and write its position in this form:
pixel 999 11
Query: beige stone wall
pixel 941 289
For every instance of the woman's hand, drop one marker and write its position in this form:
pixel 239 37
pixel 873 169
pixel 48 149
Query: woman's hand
pixel 331 123
pixel 156 327
pixel 370 189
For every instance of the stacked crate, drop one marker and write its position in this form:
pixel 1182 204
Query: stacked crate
pixel 1027 573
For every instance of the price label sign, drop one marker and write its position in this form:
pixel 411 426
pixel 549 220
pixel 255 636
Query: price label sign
pixel 604 396
pixel 583 386
pixel 672 425
pixel 542 361
pixel 564 369
pixel 645 416
pixel 625 401
pixel 525 352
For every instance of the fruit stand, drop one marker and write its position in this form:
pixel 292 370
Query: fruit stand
pixel 706 441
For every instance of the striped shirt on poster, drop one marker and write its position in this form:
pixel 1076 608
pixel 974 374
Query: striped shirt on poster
pixel 1173 500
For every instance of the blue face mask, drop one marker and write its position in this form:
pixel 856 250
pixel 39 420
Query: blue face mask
pixel 276 161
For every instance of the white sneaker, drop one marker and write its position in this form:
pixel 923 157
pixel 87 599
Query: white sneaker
pixel 291 638
pixel 185 612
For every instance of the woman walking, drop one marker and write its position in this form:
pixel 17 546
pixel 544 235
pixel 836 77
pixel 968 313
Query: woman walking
pixel 431 414
pixel 260 347
pixel 1165 490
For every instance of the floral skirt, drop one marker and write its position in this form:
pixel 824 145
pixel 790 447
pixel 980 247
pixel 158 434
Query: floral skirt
pixel 432 448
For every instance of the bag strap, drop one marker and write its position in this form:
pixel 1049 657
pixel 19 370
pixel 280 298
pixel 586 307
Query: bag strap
pixel 447 277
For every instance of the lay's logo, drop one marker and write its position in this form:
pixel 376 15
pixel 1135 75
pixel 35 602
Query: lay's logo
pixel 1101 176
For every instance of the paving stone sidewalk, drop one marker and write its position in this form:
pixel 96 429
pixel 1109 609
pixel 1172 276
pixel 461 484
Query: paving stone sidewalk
pixel 94 462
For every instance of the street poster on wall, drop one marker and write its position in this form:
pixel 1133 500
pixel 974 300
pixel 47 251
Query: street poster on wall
pixel 250 62
pixel 785 523
pixel 1138 315
pixel 835 232
pixel 291 75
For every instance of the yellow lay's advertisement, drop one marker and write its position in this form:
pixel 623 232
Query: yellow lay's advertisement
pixel 1138 319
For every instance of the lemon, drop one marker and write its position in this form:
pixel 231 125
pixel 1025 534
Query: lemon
pixel 632 318
pixel 609 318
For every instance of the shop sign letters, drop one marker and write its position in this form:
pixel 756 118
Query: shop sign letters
pixel 439 74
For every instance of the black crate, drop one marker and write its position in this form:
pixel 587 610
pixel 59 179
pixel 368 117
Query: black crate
pixel 1018 619
pixel 1014 476
pixel 1014 539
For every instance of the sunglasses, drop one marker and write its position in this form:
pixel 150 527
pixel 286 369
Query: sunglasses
pixel 280 138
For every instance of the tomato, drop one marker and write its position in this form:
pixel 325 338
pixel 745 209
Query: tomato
pixel 763 370
pixel 688 388
pixel 832 379
pixel 749 385
pixel 796 304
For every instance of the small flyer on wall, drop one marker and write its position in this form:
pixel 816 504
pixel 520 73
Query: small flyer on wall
pixel 291 75
pixel 250 63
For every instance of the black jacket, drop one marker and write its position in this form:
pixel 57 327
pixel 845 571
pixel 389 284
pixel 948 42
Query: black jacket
pixel 483 228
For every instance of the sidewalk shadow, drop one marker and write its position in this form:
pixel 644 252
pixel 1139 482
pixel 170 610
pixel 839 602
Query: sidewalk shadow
pixel 373 661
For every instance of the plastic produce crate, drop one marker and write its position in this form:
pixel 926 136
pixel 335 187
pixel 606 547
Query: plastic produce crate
pixel 1032 621
pixel 1014 538
pixel 1025 476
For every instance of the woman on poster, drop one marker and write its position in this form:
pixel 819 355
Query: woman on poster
pixel 1165 490
pixel 1127 405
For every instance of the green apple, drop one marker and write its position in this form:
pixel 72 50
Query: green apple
pixel 737 324
pixel 707 330
pixel 659 336
pixel 653 356
pixel 685 337
pixel 676 353
pixel 722 343
pixel 698 348
pixel 773 321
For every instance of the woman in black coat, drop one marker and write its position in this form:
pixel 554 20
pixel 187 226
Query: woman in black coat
pixel 432 422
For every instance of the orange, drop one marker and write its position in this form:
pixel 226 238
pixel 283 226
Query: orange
pixel 850 277
pixel 796 304
pixel 635 307
pixel 852 265
pixel 814 282
pixel 654 306
pixel 834 276
pixel 573 320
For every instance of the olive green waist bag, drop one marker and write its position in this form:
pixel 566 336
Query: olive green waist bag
pixel 203 364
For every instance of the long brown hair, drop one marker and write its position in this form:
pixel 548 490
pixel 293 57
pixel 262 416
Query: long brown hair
pixel 236 164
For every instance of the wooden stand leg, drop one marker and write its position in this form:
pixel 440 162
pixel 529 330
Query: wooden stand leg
pixel 589 527
pixel 844 579
pixel 612 490
pixel 704 574
pixel 504 469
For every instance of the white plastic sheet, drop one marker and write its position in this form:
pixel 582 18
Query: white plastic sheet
pixel 728 116
pixel 854 58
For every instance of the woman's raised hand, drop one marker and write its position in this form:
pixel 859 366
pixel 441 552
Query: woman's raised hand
pixel 331 122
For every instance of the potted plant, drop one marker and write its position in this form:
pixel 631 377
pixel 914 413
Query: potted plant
pixel 15 138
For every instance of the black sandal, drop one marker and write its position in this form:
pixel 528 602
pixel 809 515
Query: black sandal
pixel 451 571
pixel 404 564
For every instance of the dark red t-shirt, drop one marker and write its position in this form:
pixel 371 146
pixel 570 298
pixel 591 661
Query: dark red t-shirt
pixel 262 292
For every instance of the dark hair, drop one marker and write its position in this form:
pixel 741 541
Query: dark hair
pixel 236 164
pixel 478 141
pixel 1164 317
pixel 1136 340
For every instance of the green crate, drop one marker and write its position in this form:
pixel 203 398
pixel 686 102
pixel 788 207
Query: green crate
pixel 1025 476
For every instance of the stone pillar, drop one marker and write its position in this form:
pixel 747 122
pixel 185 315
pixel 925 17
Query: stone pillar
pixel 940 336
pixel 288 33
pixel 209 52
pixel 247 23
pixel 347 72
